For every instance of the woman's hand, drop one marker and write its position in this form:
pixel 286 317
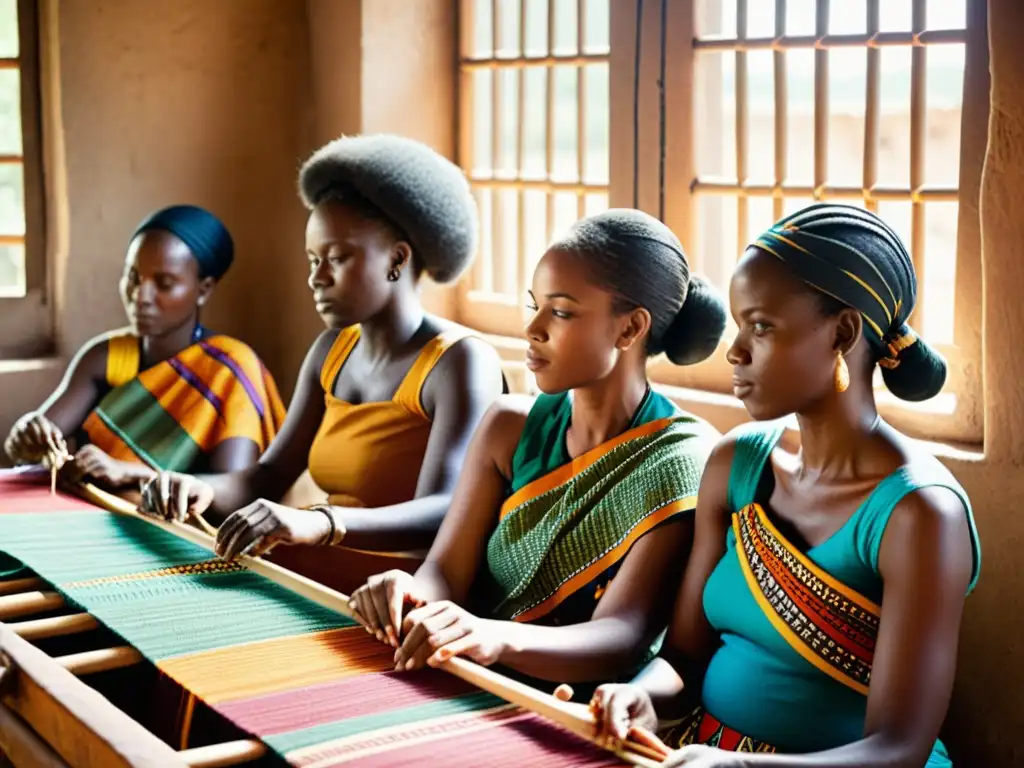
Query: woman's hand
pixel 97 465
pixel 33 438
pixel 438 631
pixel 257 528
pixel 174 496
pixel 380 603
pixel 699 756
pixel 618 709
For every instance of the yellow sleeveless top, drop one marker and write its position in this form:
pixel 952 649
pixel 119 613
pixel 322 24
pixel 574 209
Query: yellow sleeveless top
pixel 369 455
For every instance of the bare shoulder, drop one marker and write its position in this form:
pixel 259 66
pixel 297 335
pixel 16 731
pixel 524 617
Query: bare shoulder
pixel 470 358
pixel 713 496
pixel 928 536
pixel 318 350
pixel 471 353
pixel 91 359
pixel 501 428
pixel 930 511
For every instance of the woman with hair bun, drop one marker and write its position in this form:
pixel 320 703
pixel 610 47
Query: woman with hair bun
pixel 387 397
pixel 820 609
pixel 572 510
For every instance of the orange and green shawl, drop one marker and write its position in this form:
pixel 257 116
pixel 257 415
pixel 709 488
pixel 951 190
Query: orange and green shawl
pixel 176 412
pixel 569 523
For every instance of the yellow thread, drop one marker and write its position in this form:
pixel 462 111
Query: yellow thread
pixel 205 567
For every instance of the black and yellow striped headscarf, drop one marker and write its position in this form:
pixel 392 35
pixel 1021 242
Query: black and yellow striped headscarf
pixel 853 256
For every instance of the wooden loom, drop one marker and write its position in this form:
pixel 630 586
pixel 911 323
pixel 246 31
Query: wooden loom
pixel 49 717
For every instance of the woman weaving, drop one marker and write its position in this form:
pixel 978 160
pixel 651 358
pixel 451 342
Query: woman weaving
pixel 388 396
pixel 820 609
pixel 165 392
pixel 571 512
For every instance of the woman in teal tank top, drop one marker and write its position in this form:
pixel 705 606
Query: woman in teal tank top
pixel 818 618
pixel 572 509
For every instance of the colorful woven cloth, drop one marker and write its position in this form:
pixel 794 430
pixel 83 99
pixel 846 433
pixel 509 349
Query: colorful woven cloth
pixel 176 412
pixel 308 682
pixel 571 522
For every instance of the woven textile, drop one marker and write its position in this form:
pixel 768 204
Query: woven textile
pixel 308 682
pixel 565 529
pixel 177 411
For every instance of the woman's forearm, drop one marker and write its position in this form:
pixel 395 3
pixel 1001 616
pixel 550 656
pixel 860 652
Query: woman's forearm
pixel 400 527
pixel 234 490
pixel 875 751
pixel 594 650
pixel 664 685
pixel 433 586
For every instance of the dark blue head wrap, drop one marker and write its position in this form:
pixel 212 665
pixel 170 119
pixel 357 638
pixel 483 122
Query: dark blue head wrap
pixel 856 258
pixel 203 233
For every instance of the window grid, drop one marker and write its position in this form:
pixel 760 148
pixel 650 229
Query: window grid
pixel 27 237
pixel 502 271
pixel 917 193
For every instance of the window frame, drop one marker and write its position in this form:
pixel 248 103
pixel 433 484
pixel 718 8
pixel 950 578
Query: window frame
pixel 26 322
pixel 664 179
pixel 497 312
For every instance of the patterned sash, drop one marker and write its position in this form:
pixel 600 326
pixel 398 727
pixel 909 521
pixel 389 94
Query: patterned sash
pixel 701 728
pixel 557 534
pixel 828 623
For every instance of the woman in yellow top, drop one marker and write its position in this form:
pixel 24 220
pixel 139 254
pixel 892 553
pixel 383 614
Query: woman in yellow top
pixel 164 392
pixel 388 396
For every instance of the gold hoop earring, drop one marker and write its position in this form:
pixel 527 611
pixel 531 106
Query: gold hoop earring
pixel 842 373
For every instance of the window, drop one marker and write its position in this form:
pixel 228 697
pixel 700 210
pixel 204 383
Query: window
pixel 22 248
pixel 534 138
pixel 731 114
pixel 858 101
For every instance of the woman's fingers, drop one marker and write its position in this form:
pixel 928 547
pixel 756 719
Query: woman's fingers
pixel 642 736
pixel 355 610
pixel 371 620
pixel 448 642
pixel 182 492
pixel 397 595
pixel 617 713
pixel 415 630
pixel 253 527
pixel 564 692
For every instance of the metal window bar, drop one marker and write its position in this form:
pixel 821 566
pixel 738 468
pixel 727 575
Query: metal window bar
pixel 917 193
pixel 9 63
pixel 495 266
pixel 781 112
pixel 502 274
pixel 742 108
pixel 918 62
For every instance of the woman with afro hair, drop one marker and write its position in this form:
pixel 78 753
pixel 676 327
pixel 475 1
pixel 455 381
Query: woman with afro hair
pixel 387 397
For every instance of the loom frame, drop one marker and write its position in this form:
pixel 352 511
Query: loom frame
pixel 49 717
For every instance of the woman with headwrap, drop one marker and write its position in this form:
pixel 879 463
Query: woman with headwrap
pixel 820 609
pixel 572 509
pixel 388 396
pixel 164 392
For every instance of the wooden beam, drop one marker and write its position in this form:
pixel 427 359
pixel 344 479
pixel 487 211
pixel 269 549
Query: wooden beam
pixel 24 603
pixel 20 585
pixel 77 722
pixel 223 755
pixel 56 626
pixel 22 746
pixel 103 660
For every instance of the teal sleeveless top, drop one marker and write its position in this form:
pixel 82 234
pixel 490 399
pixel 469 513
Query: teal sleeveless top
pixel 756 682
